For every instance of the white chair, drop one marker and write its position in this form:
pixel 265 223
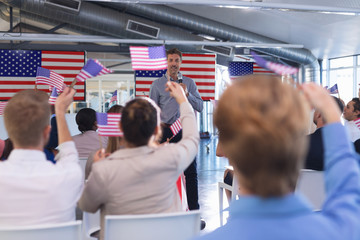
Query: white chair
pixel 311 185
pixel 61 231
pixel 234 192
pixel 174 226
pixel 91 223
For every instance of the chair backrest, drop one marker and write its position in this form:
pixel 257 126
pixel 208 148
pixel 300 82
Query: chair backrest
pixel 311 185
pixel 174 226
pixel 61 231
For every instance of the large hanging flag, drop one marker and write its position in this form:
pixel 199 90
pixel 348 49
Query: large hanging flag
pixel 199 67
pixel 19 68
pixel 237 69
pixel 108 124
pixel 51 78
pixel 148 58
pixel 2 107
pixel 53 96
pixel 275 67
pixel 92 69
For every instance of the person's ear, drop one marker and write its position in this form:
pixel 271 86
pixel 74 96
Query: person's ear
pixel 120 127
pixel 46 134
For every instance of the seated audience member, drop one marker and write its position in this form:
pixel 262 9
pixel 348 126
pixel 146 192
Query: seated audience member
pixel 352 117
pixel 315 156
pixel 141 178
pixel 88 140
pixel 113 144
pixel 34 190
pixel 266 146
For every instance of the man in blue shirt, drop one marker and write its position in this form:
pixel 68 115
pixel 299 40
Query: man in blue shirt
pixel 267 146
pixel 170 113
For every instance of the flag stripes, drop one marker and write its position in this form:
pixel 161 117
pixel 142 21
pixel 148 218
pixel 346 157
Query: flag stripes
pixel 108 124
pixel 176 127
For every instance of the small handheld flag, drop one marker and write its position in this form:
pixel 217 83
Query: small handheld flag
pixel 91 69
pixel 114 97
pixel 2 107
pixel 275 67
pixel 53 96
pixel 148 58
pixel 176 127
pixel 108 124
pixel 334 89
pixel 48 77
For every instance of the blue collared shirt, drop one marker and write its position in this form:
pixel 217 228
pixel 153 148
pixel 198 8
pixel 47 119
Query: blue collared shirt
pixel 168 105
pixel 291 217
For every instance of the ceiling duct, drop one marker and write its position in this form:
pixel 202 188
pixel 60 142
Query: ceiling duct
pixel 225 51
pixel 201 25
pixel 143 29
pixel 68 5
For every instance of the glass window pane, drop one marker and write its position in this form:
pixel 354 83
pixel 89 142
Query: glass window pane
pixel 358 60
pixel 342 62
pixel 344 80
pixel 324 64
pixel 324 80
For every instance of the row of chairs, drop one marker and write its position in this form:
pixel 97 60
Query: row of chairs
pixel 175 226
pixel 310 184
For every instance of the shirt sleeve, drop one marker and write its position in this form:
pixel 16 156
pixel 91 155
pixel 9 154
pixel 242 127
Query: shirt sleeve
pixel 194 97
pixel 94 193
pixel 342 181
pixel 67 153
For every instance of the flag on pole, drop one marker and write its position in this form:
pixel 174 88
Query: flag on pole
pixel 334 89
pixel 182 193
pixel 148 58
pixel 92 69
pixel 275 67
pixel 19 69
pixel 108 124
pixel 53 96
pixel 176 127
pixel 2 107
pixel 199 67
pixel 51 78
pixel 114 97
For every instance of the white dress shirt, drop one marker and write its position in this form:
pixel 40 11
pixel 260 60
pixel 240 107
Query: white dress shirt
pixel 353 130
pixel 35 191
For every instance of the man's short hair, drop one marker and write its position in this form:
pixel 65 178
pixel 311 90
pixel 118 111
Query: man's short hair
pixel 356 105
pixel 26 116
pixel 261 134
pixel 174 51
pixel 339 103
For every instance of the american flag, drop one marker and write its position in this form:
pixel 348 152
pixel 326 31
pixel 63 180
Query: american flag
pixel 51 78
pixel 18 70
pixel 334 89
pixel 176 127
pixel 2 107
pixel 114 97
pixel 199 67
pixel 148 58
pixel 92 69
pixel 53 96
pixel 182 193
pixel 108 124
pixel 275 67
pixel 237 69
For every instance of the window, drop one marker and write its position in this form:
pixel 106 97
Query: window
pixel 342 62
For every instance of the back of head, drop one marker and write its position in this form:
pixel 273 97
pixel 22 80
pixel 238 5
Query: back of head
pixel 139 119
pixel 356 105
pixel 26 116
pixel 85 119
pixel 115 109
pixel 262 130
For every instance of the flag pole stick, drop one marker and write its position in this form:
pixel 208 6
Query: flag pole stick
pixel 101 145
pixel 73 83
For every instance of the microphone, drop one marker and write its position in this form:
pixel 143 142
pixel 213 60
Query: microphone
pixel 180 80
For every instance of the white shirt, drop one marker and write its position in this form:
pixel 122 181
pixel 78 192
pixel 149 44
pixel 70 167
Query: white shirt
pixel 35 191
pixel 353 130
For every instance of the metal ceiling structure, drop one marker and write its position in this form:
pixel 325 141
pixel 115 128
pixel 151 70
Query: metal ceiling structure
pixel 260 23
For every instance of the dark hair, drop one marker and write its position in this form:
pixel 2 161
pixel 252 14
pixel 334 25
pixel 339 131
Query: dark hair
pixel 115 109
pixel 85 119
pixel 7 149
pixel 174 51
pixel 356 105
pixel 139 119
pixel 340 103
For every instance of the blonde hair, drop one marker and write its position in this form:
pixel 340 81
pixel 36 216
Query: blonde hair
pixel 26 116
pixel 262 130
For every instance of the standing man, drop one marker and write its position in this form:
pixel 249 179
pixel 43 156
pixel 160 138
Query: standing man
pixel 352 115
pixel 170 113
